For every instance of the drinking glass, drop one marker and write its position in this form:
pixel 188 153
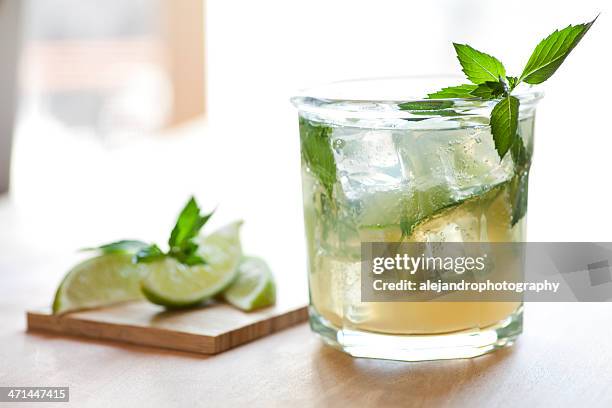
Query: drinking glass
pixel 382 164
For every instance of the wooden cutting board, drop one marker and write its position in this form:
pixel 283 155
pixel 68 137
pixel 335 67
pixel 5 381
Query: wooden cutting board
pixel 208 330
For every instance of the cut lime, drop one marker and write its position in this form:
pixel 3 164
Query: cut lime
pixel 172 284
pixel 99 281
pixel 254 288
pixel 390 208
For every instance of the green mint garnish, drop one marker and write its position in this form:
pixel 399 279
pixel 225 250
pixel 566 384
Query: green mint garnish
pixel 429 108
pixel 520 155
pixel 317 153
pixel 182 246
pixel 406 227
pixel 518 185
pixel 188 225
pixel 551 52
pixel 504 123
pixel 149 253
pixel 425 105
pixel 519 190
pixel 460 91
pixel 490 89
pixel 477 66
pixel 512 81
pixel 490 81
pixel 126 246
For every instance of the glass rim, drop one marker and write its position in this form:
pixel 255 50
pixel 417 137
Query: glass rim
pixel 320 99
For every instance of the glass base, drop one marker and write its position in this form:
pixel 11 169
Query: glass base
pixel 464 344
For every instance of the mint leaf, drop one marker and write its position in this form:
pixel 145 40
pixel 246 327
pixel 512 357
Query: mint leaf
pixel 414 119
pixel 519 195
pixel 478 66
pixel 519 184
pixel 150 253
pixel 317 153
pixel 188 225
pixel 460 91
pixel 446 112
pixel 519 153
pixel 127 246
pixel 406 227
pixel 191 260
pixel 504 123
pixel 429 108
pixel 550 53
pixel 187 254
pixel 425 105
pixel 512 82
pixel 489 90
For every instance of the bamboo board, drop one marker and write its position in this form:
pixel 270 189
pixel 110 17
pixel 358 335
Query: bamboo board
pixel 207 330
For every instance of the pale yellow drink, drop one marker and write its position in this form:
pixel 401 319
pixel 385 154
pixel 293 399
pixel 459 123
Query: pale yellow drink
pixel 335 283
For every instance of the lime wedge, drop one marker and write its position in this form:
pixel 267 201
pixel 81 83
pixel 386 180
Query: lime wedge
pixel 254 288
pixel 172 284
pixel 99 281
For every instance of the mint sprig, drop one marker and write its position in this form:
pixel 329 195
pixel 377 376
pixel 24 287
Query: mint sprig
pixel 490 81
pixel 181 244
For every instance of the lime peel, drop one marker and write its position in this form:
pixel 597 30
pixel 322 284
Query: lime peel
pixel 254 287
pixel 99 281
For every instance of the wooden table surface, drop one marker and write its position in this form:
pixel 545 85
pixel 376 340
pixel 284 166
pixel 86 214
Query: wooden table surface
pixel 563 360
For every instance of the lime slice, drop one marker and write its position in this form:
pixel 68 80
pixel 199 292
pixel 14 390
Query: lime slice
pixel 254 288
pixel 99 281
pixel 386 210
pixel 172 284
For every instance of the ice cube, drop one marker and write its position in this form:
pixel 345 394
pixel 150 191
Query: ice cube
pixel 366 160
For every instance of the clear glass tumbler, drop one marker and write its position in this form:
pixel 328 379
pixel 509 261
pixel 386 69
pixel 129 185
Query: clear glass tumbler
pixel 378 165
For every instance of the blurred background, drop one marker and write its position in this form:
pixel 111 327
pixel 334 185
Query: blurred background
pixel 112 113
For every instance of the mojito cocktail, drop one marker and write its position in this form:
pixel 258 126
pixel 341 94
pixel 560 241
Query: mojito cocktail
pixel 392 169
